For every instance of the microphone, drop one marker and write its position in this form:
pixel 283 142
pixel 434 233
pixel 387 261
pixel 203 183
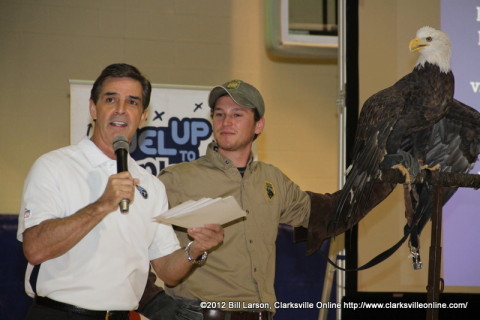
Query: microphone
pixel 120 145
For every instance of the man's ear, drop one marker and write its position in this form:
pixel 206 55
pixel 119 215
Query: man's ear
pixel 93 110
pixel 144 116
pixel 260 125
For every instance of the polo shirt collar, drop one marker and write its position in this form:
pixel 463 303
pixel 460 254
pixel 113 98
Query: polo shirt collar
pixel 93 153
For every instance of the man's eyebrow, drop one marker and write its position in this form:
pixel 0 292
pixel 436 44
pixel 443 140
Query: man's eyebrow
pixel 135 98
pixel 110 94
pixel 117 94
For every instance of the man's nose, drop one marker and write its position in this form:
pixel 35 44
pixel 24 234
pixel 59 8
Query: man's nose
pixel 228 120
pixel 121 106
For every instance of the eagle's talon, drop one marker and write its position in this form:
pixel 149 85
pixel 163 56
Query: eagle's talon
pixel 434 168
pixel 404 172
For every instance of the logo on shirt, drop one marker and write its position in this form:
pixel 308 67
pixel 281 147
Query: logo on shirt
pixel 269 190
pixel 142 191
pixel 26 213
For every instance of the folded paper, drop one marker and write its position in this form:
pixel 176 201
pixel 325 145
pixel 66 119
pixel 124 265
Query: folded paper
pixel 196 213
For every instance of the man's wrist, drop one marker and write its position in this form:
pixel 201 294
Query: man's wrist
pixel 200 260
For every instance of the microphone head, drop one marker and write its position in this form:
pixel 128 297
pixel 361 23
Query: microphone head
pixel 120 142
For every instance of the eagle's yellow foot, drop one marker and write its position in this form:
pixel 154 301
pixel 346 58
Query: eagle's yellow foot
pixel 434 168
pixel 404 171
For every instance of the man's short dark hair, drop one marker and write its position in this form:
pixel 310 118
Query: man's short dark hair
pixel 122 70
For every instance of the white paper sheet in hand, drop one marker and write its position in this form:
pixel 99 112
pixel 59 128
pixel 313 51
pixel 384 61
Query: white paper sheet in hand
pixel 204 211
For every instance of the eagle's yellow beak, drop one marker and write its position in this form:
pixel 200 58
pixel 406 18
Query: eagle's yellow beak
pixel 416 44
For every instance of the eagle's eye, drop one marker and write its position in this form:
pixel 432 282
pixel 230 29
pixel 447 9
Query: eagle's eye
pixel 429 39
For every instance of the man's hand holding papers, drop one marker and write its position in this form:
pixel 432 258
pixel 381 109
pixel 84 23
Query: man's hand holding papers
pixel 204 211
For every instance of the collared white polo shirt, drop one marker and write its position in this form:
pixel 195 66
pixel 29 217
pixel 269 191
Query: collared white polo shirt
pixel 108 268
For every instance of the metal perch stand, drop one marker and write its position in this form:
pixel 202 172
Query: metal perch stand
pixel 438 180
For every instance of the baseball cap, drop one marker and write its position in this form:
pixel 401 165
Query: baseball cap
pixel 241 92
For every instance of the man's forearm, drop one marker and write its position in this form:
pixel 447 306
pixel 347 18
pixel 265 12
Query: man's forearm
pixel 173 268
pixel 54 237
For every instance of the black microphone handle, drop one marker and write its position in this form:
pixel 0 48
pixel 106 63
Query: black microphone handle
pixel 122 165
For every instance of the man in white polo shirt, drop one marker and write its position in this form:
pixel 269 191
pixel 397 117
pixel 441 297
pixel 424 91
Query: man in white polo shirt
pixel 92 260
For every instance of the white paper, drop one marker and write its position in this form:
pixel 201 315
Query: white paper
pixel 204 211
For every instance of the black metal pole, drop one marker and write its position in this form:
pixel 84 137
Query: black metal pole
pixel 352 105
pixel 435 282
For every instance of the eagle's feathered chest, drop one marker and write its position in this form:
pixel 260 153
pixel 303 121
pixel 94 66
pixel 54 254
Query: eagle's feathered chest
pixel 413 103
pixel 427 94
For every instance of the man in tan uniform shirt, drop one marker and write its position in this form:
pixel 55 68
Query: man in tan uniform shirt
pixel 238 280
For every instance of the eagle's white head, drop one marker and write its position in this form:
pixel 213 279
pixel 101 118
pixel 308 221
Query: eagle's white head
pixel 433 46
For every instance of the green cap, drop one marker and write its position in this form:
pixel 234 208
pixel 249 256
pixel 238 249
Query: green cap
pixel 242 93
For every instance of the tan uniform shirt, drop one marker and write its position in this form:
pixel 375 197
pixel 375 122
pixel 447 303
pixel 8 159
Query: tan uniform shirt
pixel 239 273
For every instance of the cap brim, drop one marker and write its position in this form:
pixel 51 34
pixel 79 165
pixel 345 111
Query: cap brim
pixel 220 91
pixel 216 93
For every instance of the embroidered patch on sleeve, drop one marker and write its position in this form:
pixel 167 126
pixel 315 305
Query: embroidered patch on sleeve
pixel 26 213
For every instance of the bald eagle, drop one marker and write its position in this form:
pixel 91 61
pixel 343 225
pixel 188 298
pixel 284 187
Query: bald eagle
pixel 419 116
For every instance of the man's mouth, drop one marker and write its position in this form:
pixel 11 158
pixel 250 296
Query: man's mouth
pixel 227 132
pixel 118 124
